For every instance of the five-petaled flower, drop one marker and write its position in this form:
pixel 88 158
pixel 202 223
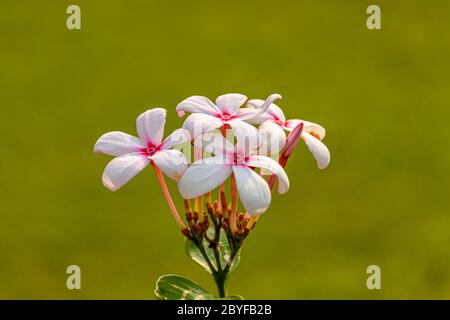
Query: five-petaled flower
pixel 134 154
pixel 226 112
pixel 240 160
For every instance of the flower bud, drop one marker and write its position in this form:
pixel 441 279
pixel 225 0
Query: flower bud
pixel 291 142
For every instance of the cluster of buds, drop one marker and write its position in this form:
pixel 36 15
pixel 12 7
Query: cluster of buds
pixel 197 223
pixel 236 225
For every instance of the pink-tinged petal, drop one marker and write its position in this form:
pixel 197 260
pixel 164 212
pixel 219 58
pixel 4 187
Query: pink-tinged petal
pixel 247 136
pixel 197 104
pixel 117 143
pixel 273 166
pixel 120 170
pixel 310 127
pixel 292 140
pixel 203 176
pixel 230 103
pixel 171 162
pixel 252 116
pixel 177 137
pixel 199 123
pixel 150 125
pixel 213 142
pixel 254 191
pixel 318 149
pixel 273 138
pixel 269 107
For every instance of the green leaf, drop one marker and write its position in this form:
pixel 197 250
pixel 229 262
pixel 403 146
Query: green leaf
pixel 174 287
pixel 223 248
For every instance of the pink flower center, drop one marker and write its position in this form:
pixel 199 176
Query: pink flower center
pixel 279 122
pixel 239 159
pixel 150 150
pixel 225 117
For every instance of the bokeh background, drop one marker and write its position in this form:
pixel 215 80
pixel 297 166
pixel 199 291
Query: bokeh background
pixel 383 97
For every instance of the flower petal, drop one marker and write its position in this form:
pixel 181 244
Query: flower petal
pixel 121 169
pixel 273 138
pixel 150 125
pixel 318 149
pixel 177 137
pixel 273 110
pixel 198 123
pixel 198 104
pixel 310 127
pixel 203 176
pixel 230 103
pixel 273 166
pixel 253 190
pixel 213 142
pixel 172 162
pixel 247 136
pixel 252 115
pixel 117 143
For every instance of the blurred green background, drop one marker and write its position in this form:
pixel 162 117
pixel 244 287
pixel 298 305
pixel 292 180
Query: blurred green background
pixel 382 95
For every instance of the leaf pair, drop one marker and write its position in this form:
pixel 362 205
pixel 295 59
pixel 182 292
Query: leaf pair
pixel 174 287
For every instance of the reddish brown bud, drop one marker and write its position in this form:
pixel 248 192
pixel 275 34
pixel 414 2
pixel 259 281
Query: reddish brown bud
pixel 210 208
pixel 223 201
pixel 185 231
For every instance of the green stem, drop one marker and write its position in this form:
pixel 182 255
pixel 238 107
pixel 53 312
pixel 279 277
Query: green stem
pixel 205 256
pixel 221 279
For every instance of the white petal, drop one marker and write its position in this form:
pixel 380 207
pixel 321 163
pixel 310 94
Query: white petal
pixel 198 123
pixel 121 169
pixel 273 166
pixel 117 143
pixel 230 103
pixel 273 110
pixel 203 176
pixel 150 125
pixel 213 142
pixel 252 115
pixel 247 136
pixel 253 190
pixel 318 149
pixel 310 127
pixel 177 137
pixel 198 104
pixel 273 138
pixel 172 162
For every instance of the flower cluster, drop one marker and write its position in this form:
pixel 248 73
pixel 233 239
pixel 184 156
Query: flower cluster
pixel 208 127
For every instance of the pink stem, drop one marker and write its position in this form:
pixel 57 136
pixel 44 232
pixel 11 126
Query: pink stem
pixel 234 199
pixel 169 200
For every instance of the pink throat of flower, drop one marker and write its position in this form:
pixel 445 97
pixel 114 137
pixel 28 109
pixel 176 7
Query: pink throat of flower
pixel 279 122
pixel 150 150
pixel 225 117
pixel 239 158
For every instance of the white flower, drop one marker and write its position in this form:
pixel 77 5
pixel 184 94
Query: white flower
pixel 226 112
pixel 134 154
pixel 206 174
pixel 273 123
